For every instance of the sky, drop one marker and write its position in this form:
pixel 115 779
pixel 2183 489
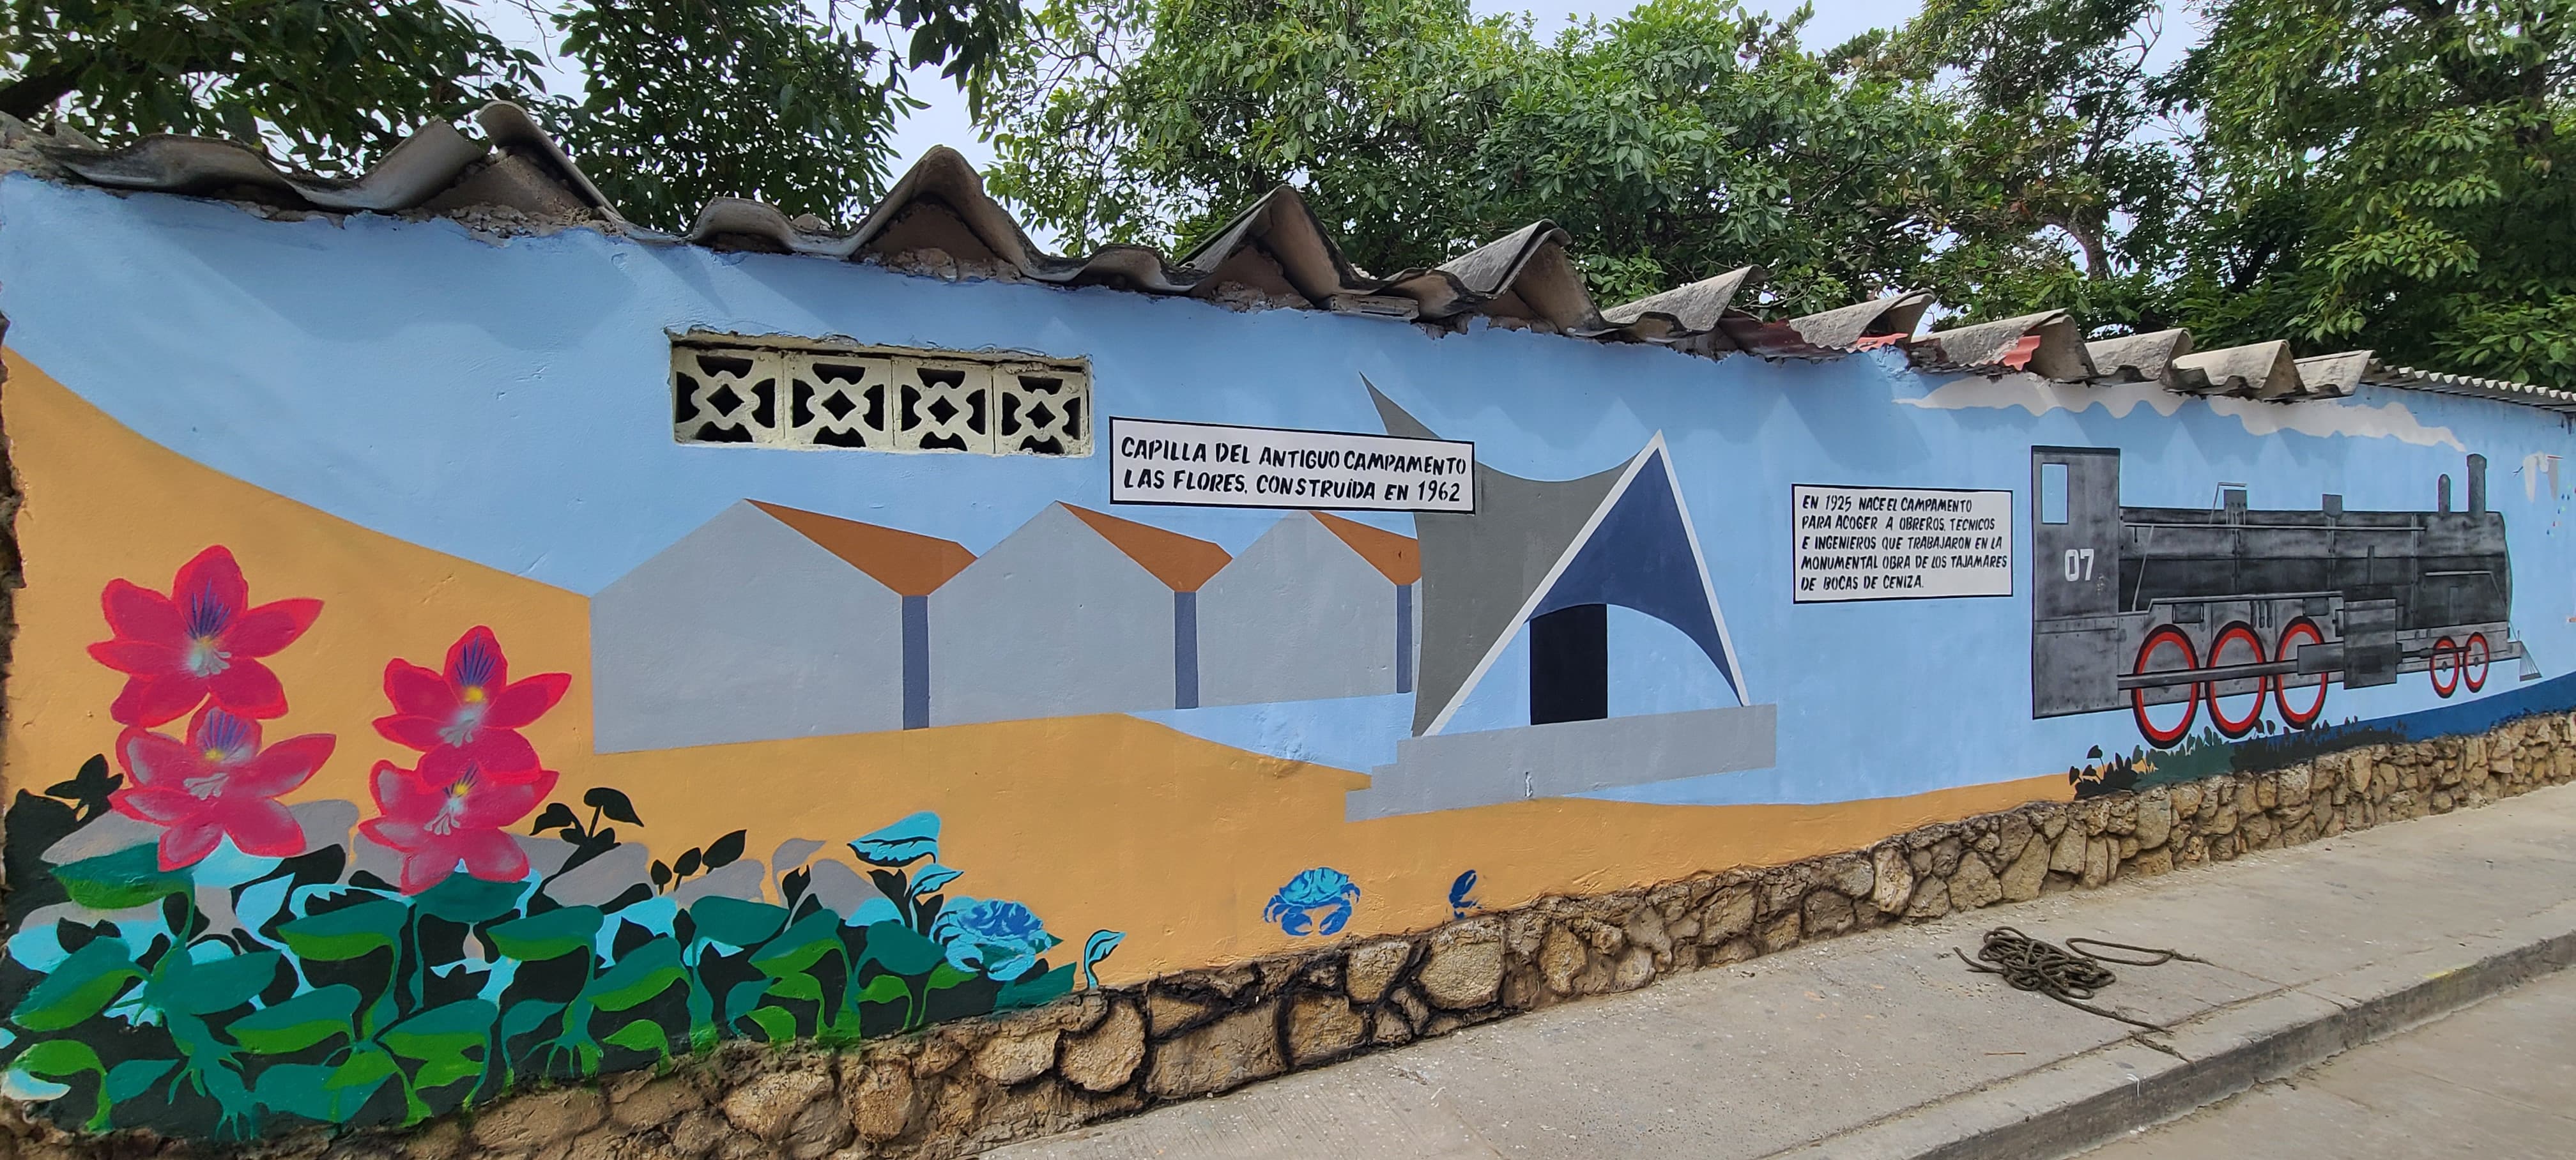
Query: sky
pixel 945 121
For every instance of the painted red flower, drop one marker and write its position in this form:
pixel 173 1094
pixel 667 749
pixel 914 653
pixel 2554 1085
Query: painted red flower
pixel 202 640
pixel 439 823
pixel 218 783
pixel 470 715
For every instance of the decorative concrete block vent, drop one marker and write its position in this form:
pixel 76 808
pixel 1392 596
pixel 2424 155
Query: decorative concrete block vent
pixel 964 1087
pixel 776 393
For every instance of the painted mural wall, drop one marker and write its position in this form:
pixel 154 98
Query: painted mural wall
pixel 421 688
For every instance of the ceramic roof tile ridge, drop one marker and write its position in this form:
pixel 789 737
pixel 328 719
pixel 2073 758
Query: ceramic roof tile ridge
pixel 907 563
pixel 1275 248
pixel 1182 562
pixel 1396 556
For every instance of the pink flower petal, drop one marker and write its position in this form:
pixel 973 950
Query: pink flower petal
pixel 156 700
pixel 493 753
pixel 492 855
pixel 394 835
pixel 188 842
pixel 282 767
pixel 260 827
pixel 155 804
pixel 211 721
pixel 476 659
pixel 264 630
pixel 421 733
pixel 138 613
pixel 418 692
pixel 428 867
pixel 152 759
pixel 521 704
pixel 212 577
pixel 249 689
pixel 150 658
pixel 494 805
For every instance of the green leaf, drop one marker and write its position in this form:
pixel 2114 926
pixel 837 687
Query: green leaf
pixel 550 935
pixel 79 987
pixel 776 1026
pixel 440 1038
pixel 645 972
pixel 800 946
pixel 58 1059
pixel 298 1022
pixel 365 1068
pixel 347 933
pixel 945 976
pixel 902 949
pixel 735 922
pixel 885 989
pixel 805 987
pixel 641 1035
pixel 127 878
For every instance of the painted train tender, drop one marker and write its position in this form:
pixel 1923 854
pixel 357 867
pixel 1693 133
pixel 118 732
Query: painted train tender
pixel 2165 611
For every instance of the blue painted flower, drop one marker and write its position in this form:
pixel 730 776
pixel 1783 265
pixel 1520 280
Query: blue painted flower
pixel 999 938
pixel 1322 888
pixel 903 843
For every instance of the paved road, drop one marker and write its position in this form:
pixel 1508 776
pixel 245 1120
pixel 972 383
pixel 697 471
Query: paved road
pixel 2496 1081
pixel 1830 1047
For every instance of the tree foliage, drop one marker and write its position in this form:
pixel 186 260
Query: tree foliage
pixel 1685 139
pixel 686 100
pixel 2384 173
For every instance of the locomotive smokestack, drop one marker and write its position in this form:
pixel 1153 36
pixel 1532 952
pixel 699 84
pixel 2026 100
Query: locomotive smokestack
pixel 2477 485
pixel 2442 496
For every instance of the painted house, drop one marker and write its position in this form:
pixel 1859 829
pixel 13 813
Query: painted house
pixel 768 622
pixel 809 595
pixel 1257 617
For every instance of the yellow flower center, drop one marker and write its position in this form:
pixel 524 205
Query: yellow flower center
pixel 473 694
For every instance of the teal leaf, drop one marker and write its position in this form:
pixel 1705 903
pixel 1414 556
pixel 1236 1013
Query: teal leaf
pixel 298 1022
pixel 901 844
pixel 551 935
pixel 527 1016
pixel 800 946
pixel 902 949
pixel 203 988
pixel 134 1077
pixel 1097 948
pixel 932 877
pixel 467 899
pixel 129 877
pixel 734 922
pixel 1034 990
pixel 81 987
pixel 347 933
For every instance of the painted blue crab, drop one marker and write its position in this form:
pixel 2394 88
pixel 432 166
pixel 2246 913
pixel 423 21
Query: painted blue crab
pixel 1322 888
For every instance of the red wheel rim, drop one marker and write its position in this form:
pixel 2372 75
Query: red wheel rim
pixel 2298 718
pixel 2474 657
pixel 2444 649
pixel 2163 738
pixel 2232 728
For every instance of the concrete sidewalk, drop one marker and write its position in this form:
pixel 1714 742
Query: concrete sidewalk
pixel 1882 1045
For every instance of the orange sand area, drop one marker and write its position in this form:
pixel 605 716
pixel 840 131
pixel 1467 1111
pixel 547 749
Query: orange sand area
pixel 1102 822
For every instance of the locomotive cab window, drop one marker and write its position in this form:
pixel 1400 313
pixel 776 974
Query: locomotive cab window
pixel 2052 493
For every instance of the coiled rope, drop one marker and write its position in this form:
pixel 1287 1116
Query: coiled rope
pixel 2067 974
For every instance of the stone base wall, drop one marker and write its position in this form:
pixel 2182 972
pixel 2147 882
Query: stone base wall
pixel 968 1086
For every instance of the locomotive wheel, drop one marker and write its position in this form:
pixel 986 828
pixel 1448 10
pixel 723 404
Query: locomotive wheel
pixel 2174 641
pixel 2235 727
pixel 2300 631
pixel 2444 666
pixel 2473 662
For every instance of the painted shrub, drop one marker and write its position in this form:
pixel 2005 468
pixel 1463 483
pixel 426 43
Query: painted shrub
pixel 194 955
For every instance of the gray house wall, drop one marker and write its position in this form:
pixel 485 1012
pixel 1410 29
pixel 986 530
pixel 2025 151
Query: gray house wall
pixel 1298 616
pixel 1053 621
pixel 745 630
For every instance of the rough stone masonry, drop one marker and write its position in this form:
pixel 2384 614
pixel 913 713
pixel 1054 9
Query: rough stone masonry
pixel 964 1087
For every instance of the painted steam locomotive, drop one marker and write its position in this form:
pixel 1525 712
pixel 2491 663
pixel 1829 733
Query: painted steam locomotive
pixel 2165 610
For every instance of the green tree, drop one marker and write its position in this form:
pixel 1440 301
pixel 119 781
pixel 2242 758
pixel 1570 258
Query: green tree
pixel 687 99
pixel 1685 139
pixel 2393 174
